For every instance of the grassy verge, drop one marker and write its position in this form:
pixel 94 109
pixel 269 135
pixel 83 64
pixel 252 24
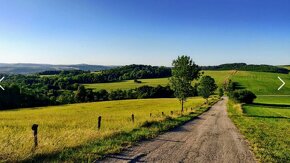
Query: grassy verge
pixel 266 127
pixel 115 143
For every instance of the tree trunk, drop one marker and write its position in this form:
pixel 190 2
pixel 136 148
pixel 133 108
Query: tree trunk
pixel 182 105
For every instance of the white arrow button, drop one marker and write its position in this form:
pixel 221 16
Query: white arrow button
pixel 1 85
pixel 282 82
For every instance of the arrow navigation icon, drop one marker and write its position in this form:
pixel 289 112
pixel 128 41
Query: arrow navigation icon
pixel 282 82
pixel 0 82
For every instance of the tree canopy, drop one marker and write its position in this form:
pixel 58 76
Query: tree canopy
pixel 184 71
pixel 206 87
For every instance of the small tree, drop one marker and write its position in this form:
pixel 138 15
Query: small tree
pixel 221 92
pixel 184 71
pixel 80 94
pixel 206 87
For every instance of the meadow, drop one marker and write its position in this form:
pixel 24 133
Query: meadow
pixel 266 125
pixel 128 84
pixel 263 83
pixel 219 77
pixel 68 126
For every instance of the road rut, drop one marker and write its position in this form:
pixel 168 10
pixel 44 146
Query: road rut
pixel 212 137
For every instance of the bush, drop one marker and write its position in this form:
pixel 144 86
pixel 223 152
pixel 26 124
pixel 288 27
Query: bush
pixel 243 96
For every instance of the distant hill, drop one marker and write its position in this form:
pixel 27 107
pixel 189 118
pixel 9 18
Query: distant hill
pixel 286 66
pixel 29 68
pixel 246 67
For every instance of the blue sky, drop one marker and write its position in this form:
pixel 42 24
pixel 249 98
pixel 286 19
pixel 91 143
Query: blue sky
pixel 118 32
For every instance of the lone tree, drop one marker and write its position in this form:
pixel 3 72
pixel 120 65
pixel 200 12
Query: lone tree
pixel 206 87
pixel 184 71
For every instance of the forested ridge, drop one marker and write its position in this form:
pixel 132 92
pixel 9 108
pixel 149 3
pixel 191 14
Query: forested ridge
pixel 246 67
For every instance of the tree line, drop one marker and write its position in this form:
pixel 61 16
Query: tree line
pixel 16 97
pixel 245 67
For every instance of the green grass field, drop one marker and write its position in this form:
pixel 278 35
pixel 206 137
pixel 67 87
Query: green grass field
pixel 219 76
pixel 128 84
pixel 68 126
pixel 266 125
pixel 262 83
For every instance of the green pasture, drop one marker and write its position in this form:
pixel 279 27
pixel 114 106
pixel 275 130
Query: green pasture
pixel 263 83
pixel 266 125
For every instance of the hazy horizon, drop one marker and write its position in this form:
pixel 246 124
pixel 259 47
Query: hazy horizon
pixel 111 32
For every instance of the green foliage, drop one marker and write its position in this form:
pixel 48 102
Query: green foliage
pixel 243 96
pixel 221 92
pixel 80 95
pixel 229 86
pixel 183 72
pixel 206 87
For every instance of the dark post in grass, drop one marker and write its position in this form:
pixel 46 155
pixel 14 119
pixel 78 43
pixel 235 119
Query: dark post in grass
pixel 99 122
pixel 133 118
pixel 171 112
pixel 162 113
pixel 150 114
pixel 34 128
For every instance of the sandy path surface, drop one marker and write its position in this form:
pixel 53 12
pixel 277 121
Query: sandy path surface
pixel 212 137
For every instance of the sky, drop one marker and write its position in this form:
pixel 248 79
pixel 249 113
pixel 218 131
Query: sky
pixel 120 32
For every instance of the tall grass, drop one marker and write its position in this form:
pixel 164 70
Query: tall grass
pixel 70 126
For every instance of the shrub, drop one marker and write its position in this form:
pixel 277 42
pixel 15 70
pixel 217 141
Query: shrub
pixel 243 96
pixel 221 92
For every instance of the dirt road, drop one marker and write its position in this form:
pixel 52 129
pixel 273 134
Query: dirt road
pixel 212 137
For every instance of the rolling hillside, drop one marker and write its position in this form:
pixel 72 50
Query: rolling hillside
pixel 262 83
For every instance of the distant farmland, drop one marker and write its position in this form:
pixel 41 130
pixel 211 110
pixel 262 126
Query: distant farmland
pixel 219 76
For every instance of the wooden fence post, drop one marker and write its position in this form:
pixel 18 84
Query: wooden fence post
pixel 133 118
pixel 171 112
pixel 35 130
pixel 162 113
pixel 99 122
pixel 150 114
